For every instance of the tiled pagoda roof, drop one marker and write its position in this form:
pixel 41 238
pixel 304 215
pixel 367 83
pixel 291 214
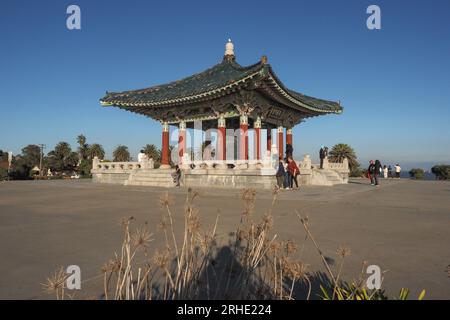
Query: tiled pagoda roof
pixel 215 82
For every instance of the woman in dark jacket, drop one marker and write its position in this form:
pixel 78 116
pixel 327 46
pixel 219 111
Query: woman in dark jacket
pixel 280 174
pixel 377 170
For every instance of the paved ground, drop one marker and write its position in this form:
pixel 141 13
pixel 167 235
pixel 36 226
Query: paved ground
pixel 402 226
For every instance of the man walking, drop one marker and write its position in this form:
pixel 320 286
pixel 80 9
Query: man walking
pixel 398 169
pixel 371 172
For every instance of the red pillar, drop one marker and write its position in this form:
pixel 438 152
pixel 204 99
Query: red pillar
pixel 289 136
pixel 181 141
pixel 165 146
pixel 221 139
pixel 269 139
pixel 244 137
pixel 257 126
pixel 280 142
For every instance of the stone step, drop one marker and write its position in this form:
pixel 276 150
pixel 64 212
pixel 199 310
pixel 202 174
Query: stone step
pixel 151 178
pixel 151 175
pixel 151 184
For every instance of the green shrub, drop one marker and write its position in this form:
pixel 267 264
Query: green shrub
pixel 356 172
pixel 417 173
pixel 442 172
pixel 3 174
pixel 85 167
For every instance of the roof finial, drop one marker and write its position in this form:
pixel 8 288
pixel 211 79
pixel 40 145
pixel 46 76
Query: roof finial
pixel 229 50
pixel 264 59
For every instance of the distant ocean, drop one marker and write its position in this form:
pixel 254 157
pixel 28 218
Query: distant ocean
pixel 428 175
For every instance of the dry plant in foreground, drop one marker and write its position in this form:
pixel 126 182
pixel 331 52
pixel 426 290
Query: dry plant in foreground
pixel 253 265
pixel 56 284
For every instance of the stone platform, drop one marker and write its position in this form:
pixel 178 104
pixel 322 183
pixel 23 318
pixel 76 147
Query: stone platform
pixel 217 175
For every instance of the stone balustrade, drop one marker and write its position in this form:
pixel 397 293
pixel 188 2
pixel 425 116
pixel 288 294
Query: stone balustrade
pixel 120 167
pixel 341 166
pixel 336 166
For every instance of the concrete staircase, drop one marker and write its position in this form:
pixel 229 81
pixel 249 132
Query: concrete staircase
pixel 151 178
pixel 326 177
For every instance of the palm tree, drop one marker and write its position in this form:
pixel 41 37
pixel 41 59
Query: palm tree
pixel 81 140
pixel 121 154
pixel 171 148
pixel 341 151
pixel 152 152
pixel 96 150
pixel 62 158
pixel 83 147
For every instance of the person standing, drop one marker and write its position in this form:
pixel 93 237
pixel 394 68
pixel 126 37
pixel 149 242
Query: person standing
pixel 141 156
pixel 289 150
pixel 378 168
pixel 280 174
pixel 294 171
pixel 398 169
pixel 322 156
pixel 371 172
pixel 287 175
pixel 385 172
pixel 390 171
pixel 176 176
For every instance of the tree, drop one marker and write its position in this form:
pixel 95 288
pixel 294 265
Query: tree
pixel 152 152
pixel 3 174
pixel 96 150
pixel 3 165
pixel 22 164
pixel 417 173
pixel 83 147
pixel 171 149
pixel 341 151
pixel 62 158
pixel 442 172
pixel 3 156
pixel 84 168
pixel 121 154
pixel 31 154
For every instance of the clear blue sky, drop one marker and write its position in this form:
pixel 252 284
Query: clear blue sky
pixel 394 83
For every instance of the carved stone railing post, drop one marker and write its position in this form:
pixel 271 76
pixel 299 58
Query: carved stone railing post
pixel 326 163
pixel 306 163
pixel 345 164
pixel 305 170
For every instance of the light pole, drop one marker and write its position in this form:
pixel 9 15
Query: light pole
pixel 41 146
pixel 10 155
